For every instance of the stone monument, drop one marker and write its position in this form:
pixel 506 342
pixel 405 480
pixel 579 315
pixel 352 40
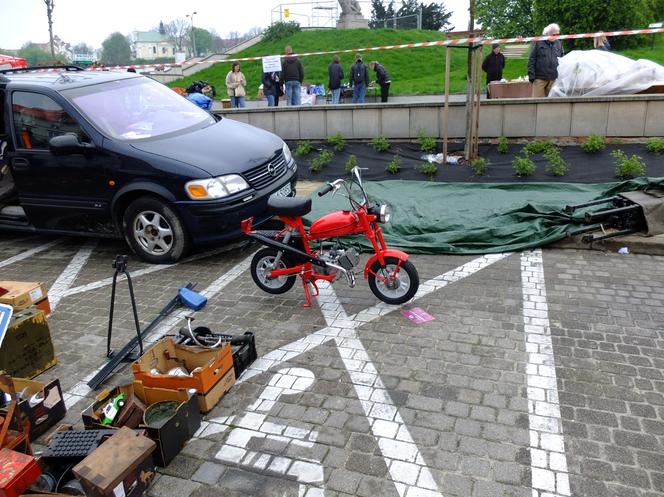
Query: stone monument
pixel 351 15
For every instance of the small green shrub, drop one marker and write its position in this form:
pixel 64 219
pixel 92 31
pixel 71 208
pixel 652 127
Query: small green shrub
pixel 427 144
pixel 523 165
pixel 380 144
pixel 338 141
pixel 323 159
pixel 351 163
pixel 480 166
pixel 538 146
pixel 280 30
pixel 655 146
pixel 394 166
pixel 503 145
pixel 594 144
pixel 628 167
pixel 556 165
pixel 428 168
pixel 303 148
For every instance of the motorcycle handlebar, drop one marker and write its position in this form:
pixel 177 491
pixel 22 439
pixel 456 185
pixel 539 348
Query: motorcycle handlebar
pixel 327 189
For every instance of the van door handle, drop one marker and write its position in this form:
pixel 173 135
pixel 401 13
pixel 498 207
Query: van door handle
pixel 20 164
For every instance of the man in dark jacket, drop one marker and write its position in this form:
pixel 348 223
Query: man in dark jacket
pixel 293 75
pixel 382 78
pixel 336 74
pixel 493 65
pixel 272 88
pixel 359 79
pixel 543 62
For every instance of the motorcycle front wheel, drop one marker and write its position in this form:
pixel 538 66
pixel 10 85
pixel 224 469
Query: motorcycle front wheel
pixel 399 290
pixel 261 266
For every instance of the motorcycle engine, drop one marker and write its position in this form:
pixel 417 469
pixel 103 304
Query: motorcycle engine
pixel 346 258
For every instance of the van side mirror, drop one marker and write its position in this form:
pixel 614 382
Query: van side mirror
pixel 69 144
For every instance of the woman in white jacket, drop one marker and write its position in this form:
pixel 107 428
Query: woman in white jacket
pixel 236 84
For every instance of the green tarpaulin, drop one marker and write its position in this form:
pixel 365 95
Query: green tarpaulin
pixel 469 218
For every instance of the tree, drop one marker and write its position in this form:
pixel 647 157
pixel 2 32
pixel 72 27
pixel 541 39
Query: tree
pixel 82 48
pixel 178 32
pixel 505 18
pixel 34 55
pixel 378 14
pixel 204 41
pixel 588 16
pixel 115 50
pixel 49 14
pixel 435 18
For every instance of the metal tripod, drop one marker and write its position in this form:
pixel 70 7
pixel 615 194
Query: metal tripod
pixel 120 266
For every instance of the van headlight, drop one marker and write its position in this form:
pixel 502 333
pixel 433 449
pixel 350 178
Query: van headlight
pixel 288 156
pixel 212 188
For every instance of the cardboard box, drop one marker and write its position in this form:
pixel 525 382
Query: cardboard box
pixel 22 294
pixel 44 405
pixel 207 401
pixel 27 349
pixel 208 367
pixel 17 472
pixel 122 465
pixel 169 434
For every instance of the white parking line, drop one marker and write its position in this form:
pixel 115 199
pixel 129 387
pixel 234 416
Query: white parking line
pixel 547 445
pixel 67 277
pixel 150 269
pixel 408 470
pixel 28 253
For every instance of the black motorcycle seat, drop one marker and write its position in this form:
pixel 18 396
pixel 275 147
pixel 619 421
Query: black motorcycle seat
pixel 289 206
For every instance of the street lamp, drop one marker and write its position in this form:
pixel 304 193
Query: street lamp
pixel 193 34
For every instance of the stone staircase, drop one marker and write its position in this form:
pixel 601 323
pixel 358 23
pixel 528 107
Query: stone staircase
pixel 515 50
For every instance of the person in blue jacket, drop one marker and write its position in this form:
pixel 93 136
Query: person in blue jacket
pixel 201 100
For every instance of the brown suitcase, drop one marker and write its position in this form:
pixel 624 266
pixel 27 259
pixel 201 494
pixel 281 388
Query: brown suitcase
pixel 131 470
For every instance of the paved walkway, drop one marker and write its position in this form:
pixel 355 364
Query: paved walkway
pixel 540 375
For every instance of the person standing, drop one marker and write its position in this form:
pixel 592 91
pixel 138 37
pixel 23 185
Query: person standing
pixel 235 85
pixel 601 43
pixel 543 62
pixel 359 79
pixel 293 74
pixel 336 75
pixel 272 88
pixel 493 65
pixel 382 78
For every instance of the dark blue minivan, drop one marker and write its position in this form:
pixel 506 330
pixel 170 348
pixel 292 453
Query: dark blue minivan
pixel 116 154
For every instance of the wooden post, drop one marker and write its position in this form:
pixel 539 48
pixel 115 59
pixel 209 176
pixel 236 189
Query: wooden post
pixel 478 82
pixel 448 57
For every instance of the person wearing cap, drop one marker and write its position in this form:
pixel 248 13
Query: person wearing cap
pixel 543 62
pixel 382 78
pixel 359 79
pixel 493 65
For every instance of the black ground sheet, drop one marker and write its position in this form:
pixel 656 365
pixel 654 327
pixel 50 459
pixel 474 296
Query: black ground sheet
pixel 584 167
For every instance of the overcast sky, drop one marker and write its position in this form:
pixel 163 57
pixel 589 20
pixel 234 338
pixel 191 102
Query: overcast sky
pixel 91 21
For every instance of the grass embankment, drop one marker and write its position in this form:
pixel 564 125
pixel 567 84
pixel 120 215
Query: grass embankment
pixel 415 71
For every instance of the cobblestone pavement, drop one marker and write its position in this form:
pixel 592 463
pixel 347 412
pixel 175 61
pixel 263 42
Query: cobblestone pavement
pixel 541 374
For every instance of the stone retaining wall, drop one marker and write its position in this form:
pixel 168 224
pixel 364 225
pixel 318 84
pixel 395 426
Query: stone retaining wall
pixel 619 116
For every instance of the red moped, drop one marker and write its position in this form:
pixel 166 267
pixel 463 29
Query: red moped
pixel 289 252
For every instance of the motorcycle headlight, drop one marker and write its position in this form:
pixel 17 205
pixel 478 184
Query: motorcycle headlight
pixel 212 188
pixel 288 156
pixel 384 214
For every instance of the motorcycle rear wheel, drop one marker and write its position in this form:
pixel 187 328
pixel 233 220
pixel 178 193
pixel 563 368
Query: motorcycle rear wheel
pixel 401 289
pixel 262 264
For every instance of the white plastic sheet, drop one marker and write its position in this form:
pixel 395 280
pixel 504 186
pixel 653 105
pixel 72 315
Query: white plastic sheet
pixel 594 72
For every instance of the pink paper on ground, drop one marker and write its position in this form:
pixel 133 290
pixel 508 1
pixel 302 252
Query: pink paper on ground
pixel 417 315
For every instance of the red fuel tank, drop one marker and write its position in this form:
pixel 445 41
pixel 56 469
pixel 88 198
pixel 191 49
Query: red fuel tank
pixel 337 223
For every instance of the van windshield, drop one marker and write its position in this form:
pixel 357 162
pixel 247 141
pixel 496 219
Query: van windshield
pixel 136 108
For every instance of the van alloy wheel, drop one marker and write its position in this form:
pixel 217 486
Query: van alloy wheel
pixel 153 232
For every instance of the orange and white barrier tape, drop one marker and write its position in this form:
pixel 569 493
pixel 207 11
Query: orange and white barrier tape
pixel 438 43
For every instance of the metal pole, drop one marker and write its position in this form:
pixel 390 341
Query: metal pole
pixel 448 57
pixel 478 86
pixel 419 18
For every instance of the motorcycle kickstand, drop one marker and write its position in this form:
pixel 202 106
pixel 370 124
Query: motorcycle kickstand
pixel 307 292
